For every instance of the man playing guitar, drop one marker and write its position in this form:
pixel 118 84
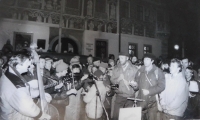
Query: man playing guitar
pixel 16 93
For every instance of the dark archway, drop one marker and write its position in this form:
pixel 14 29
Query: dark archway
pixel 67 44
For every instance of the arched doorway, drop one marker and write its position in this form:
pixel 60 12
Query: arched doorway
pixel 68 45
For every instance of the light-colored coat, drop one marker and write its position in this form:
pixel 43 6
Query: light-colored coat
pixel 16 103
pixel 94 105
pixel 174 98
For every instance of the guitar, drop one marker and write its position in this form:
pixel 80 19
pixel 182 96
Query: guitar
pixel 45 107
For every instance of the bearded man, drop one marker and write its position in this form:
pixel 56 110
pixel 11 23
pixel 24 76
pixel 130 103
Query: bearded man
pixel 123 74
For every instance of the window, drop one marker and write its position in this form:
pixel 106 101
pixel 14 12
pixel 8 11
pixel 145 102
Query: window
pixel 100 6
pixel 72 4
pixel 132 49
pixel 140 12
pixel 147 49
pixel 101 48
pixel 125 9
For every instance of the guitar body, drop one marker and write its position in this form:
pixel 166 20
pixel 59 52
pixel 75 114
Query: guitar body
pixel 52 111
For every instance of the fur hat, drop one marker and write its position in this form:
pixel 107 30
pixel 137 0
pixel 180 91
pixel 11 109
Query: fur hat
pixel 149 55
pixel 75 60
pixel 61 66
pixel 193 87
pixel 104 65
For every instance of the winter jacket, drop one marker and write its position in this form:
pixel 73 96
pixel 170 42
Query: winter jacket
pixel 125 90
pixel 156 85
pixel 15 102
pixel 93 103
pixel 174 98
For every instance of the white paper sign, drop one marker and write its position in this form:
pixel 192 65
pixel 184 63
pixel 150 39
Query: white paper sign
pixel 134 113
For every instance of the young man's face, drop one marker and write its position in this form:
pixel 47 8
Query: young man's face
pixel 42 63
pixel 174 68
pixel 188 73
pixel 185 63
pixel 22 68
pixel 148 62
pixel 123 59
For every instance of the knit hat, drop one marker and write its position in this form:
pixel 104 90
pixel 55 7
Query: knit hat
pixel 75 60
pixel 193 87
pixel 61 66
pixel 149 55
pixel 123 54
pixel 104 65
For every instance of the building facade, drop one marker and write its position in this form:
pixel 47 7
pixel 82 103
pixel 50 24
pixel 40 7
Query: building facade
pixel 87 26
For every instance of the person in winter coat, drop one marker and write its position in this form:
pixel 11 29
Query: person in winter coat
pixel 94 98
pixel 174 98
pixel 15 97
pixel 193 108
pixel 123 74
pixel 150 81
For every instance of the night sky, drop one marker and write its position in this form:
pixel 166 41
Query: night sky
pixel 184 28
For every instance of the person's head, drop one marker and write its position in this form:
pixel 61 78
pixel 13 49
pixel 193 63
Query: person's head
pixel 93 69
pixel 133 59
pixel 62 73
pixel 139 63
pixel 42 63
pixel 62 68
pixel 189 73
pixel 185 63
pixel 76 68
pixel 97 63
pixel 175 66
pixel 111 62
pixel 1 61
pixel 90 60
pixel 164 65
pixel 112 56
pixel 149 59
pixel 5 59
pixel 48 63
pixel 123 58
pixel 20 62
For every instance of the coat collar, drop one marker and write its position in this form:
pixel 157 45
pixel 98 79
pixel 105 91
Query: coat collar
pixel 14 79
pixel 142 69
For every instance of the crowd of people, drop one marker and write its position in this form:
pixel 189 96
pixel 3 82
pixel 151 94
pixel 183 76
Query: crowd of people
pixel 98 89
